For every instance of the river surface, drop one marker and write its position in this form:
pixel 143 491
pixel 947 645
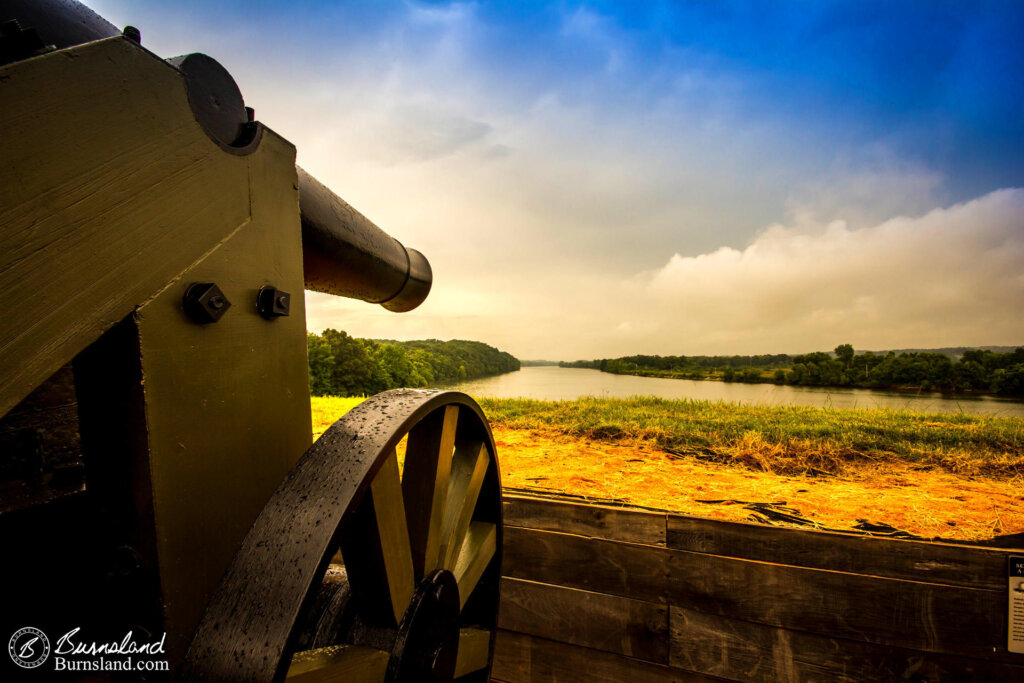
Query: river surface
pixel 554 383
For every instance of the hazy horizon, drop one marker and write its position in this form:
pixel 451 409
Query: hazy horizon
pixel 593 180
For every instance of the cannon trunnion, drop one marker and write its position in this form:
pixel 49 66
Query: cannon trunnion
pixel 156 466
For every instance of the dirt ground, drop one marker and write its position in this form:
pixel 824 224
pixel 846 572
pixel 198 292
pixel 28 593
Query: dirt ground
pixel 921 501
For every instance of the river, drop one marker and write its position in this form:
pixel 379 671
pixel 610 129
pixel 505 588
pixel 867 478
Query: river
pixel 554 383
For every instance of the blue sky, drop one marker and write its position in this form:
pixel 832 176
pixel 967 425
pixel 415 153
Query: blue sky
pixel 602 178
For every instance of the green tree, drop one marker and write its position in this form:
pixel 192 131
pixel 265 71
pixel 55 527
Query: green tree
pixel 321 363
pixel 352 371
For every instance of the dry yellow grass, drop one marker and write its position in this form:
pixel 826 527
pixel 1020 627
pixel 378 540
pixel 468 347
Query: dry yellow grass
pixel 920 496
pixel 929 503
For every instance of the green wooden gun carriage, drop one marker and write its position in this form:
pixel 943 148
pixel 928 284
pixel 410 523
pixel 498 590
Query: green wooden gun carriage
pixel 156 465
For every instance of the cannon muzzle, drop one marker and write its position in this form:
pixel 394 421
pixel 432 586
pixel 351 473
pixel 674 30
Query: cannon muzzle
pixel 344 253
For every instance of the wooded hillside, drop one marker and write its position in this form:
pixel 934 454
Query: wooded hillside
pixel 341 365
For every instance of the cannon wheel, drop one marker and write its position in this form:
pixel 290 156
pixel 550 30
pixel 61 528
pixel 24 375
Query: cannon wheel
pixel 416 597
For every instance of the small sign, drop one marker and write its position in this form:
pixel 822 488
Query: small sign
pixel 1016 630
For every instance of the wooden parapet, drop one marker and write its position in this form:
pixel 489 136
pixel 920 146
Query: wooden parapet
pixel 594 593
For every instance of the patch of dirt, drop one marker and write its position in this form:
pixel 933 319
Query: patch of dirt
pixel 889 496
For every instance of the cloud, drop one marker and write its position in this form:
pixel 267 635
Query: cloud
pixel 952 276
pixel 417 133
pixel 949 277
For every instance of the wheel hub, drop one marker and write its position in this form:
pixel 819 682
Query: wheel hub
pixel 428 637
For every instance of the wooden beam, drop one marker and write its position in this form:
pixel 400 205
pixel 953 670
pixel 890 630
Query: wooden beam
pixel 602 622
pixel 626 569
pixel 913 615
pixel 740 650
pixel 519 658
pixel 109 191
pixel 428 461
pixel 919 616
pixel 631 526
pixel 956 565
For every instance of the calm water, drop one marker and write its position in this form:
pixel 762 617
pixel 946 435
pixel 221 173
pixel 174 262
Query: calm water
pixel 554 383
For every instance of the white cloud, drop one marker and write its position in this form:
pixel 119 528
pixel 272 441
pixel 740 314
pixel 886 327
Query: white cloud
pixel 952 277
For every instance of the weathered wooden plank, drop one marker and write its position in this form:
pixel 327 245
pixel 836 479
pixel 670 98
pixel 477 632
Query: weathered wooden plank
pixel 956 565
pixel 752 652
pixel 631 526
pixel 914 615
pixel 603 622
pixel 625 569
pixel 919 616
pixel 520 658
pixel 102 203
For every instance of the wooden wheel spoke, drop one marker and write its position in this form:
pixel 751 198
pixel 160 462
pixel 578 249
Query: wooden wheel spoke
pixel 376 547
pixel 339 663
pixel 284 610
pixel 469 466
pixel 474 650
pixel 428 461
pixel 474 556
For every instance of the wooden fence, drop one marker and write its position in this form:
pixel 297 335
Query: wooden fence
pixel 605 594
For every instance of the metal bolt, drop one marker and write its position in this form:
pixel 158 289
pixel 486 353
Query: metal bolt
pixel 204 303
pixel 272 303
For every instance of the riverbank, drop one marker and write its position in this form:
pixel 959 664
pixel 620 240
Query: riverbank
pixel 766 377
pixel 957 477
pixel 978 371
pixel 760 376
pixel 782 439
pixel 561 384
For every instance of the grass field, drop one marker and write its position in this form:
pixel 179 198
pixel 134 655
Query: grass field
pixel 933 475
pixel 784 439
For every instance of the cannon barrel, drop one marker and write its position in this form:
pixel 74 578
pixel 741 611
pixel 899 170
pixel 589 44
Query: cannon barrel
pixel 344 253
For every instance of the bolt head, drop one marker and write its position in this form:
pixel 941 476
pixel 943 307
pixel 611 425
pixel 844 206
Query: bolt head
pixel 272 303
pixel 205 303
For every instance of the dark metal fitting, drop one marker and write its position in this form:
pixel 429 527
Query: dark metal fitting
pixel 272 303
pixel 250 114
pixel 19 43
pixel 133 34
pixel 204 303
pixel 125 561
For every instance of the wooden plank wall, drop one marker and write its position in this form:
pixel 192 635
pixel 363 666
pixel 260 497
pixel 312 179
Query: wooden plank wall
pixel 605 594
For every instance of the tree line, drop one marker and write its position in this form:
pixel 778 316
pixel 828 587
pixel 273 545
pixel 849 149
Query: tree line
pixel 340 365
pixel 974 370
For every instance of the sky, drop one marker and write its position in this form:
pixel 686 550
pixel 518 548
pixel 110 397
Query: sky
pixel 593 180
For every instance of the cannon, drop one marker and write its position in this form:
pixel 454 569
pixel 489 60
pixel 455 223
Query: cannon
pixel 157 470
